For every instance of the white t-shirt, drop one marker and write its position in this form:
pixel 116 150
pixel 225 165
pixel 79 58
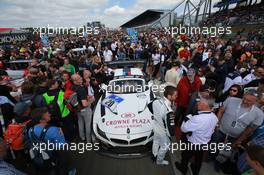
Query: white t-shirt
pixel 91 48
pixel 108 55
pixel 113 46
pixel 156 59
pixel 172 76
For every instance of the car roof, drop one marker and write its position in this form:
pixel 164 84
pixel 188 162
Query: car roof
pixel 128 72
pixel 19 61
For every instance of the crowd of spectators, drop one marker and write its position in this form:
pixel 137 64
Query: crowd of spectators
pixel 195 65
pixel 239 15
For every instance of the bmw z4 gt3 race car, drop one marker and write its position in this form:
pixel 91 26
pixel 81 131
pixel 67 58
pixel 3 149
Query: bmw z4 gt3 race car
pixel 121 117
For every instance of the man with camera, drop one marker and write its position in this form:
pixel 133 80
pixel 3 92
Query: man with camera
pixel 238 119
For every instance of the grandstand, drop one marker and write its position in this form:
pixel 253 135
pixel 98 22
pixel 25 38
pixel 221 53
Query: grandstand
pixel 239 14
pixel 148 17
pixel 189 12
pixel 246 16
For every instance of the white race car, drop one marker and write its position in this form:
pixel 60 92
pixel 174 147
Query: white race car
pixel 121 117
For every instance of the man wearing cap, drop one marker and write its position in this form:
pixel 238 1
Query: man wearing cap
pixel 22 111
pixel 238 118
pixel 187 85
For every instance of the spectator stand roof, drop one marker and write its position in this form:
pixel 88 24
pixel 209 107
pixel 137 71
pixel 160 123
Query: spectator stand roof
pixel 145 18
pixel 226 2
pixel 5 31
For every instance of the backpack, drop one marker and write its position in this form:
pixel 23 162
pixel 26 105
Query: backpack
pixel 71 100
pixel 16 136
pixel 41 158
pixel 168 122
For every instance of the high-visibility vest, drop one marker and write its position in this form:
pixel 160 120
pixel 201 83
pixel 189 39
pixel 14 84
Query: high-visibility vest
pixel 63 109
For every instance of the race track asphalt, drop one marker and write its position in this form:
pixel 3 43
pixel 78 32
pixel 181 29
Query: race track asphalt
pixel 92 163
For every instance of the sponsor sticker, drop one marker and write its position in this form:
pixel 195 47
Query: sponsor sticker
pixel 112 101
pixel 128 115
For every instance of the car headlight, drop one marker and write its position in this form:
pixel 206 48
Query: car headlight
pixel 101 133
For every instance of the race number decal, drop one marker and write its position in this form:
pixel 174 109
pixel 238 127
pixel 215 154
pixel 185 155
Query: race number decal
pixel 112 101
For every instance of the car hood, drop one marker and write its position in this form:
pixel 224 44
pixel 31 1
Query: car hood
pixel 131 116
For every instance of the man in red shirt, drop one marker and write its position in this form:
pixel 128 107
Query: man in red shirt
pixel 185 53
pixel 67 84
pixel 187 85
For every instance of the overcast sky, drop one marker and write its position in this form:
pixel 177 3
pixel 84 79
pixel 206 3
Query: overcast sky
pixel 113 13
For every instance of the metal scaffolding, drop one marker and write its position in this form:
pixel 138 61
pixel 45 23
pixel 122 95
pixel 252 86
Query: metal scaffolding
pixel 191 10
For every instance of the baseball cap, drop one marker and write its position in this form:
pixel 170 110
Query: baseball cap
pixel 251 91
pixel 21 107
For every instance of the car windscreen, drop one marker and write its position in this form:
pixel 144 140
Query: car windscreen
pixel 126 86
pixel 17 65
